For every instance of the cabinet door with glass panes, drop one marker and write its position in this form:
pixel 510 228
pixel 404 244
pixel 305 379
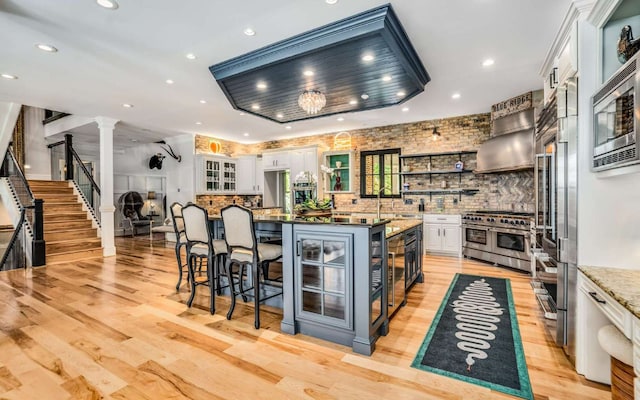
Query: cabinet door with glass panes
pixel 323 278
pixel 338 171
pixel 216 175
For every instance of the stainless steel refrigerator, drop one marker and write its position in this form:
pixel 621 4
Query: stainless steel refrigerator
pixel 556 180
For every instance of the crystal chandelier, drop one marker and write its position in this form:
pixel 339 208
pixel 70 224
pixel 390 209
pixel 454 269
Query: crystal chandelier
pixel 312 101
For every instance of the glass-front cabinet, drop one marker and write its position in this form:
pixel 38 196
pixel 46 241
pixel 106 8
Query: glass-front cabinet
pixel 324 269
pixel 340 179
pixel 335 282
pixel 216 175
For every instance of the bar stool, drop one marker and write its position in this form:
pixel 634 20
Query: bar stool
pixel 178 229
pixel 200 244
pixel 243 250
pixel 621 351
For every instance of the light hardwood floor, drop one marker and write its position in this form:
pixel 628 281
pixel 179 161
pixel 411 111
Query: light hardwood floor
pixel 116 328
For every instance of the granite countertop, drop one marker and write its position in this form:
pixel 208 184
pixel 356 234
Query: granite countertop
pixel 397 226
pixel 294 219
pixel 621 284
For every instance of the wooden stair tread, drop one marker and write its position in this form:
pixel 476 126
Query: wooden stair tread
pixel 68 230
pixel 85 240
pixel 73 256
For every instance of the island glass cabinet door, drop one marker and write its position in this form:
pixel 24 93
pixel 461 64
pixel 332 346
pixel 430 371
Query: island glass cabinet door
pixel 323 271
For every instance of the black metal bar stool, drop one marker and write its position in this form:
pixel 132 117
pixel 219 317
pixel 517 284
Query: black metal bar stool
pixel 181 241
pixel 200 244
pixel 243 250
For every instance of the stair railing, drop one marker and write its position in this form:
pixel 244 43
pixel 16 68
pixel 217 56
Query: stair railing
pixel 76 171
pixel 31 217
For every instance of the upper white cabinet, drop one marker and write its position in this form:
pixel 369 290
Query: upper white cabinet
pixel 561 62
pixel 276 160
pixel 250 176
pixel 304 159
pixel 216 174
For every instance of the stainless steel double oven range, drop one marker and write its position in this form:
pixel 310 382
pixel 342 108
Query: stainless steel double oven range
pixel 555 253
pixel 499 237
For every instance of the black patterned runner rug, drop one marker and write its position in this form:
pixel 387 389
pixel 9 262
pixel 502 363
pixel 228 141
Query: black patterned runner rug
pixel 474 337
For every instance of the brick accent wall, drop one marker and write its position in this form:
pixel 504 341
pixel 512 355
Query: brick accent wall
pixel 513 190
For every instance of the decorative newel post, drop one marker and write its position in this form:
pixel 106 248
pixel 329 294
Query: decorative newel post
pixel 39 256
pixel 68 158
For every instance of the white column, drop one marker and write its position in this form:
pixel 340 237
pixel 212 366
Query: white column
pixel 106 126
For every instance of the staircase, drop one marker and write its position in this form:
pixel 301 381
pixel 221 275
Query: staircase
pixel 68 231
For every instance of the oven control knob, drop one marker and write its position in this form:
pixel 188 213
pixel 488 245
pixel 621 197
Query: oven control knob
pixel 503 220
pixel 522 223
pixel 512 222
pixel 491 219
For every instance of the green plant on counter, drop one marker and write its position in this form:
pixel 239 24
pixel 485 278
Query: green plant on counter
pixel 313 205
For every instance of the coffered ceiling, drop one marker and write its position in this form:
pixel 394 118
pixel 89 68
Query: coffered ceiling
pixel 107 58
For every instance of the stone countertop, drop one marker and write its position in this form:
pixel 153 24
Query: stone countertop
pixel 398 226
pixel 294 219
pixel 621 284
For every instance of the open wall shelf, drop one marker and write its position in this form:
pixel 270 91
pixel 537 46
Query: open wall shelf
pixel 408 175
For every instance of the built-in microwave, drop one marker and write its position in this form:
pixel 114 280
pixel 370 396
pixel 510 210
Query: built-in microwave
pixel 616 114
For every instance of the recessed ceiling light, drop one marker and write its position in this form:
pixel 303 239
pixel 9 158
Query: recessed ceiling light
pixel 340 119
pixel 367 57
pixel 245 134
pixel 308 73
pixel 27 166
pixel 46 47
pixel 190 56
pixel 455 96
pixel 488 62
pixel 386 78
pixel 331 1
pixel 127 105
pixel 400 94
pixel 255 107
pixel 279 116
pixel 169 81
pixel 364 96
pixel 353 102
pixel 8 76
pixel 405 109
pixel 241 113
pixel 203 102
pixel 261 85
pixel 110 4
pixel 198 123
pixel 134 140
pixel 249 32
pixel 287 127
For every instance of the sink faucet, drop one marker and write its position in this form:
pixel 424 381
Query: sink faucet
pixel 379 205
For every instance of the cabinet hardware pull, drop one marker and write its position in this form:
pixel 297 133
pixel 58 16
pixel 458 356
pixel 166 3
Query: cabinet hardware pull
pixel 438 231
pixel 298 248
pixel 444 232
pixel 595 297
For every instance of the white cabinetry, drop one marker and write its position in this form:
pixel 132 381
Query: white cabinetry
pixel 276 160
pixel 442 234
pixel 250 176
pixel 216 174
pixel 304 159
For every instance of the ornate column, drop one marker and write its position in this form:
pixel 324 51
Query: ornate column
pixel 106 126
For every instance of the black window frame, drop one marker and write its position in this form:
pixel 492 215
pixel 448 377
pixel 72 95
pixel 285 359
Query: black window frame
pixel 380 154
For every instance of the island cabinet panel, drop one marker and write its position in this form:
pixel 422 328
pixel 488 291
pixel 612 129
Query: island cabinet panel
pixel 323 272
pixel 413 256
pixel 335 284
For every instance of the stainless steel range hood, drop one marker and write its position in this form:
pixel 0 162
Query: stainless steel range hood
pixel 510 147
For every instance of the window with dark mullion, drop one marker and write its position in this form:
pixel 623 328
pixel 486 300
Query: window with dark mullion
pixel 380 173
